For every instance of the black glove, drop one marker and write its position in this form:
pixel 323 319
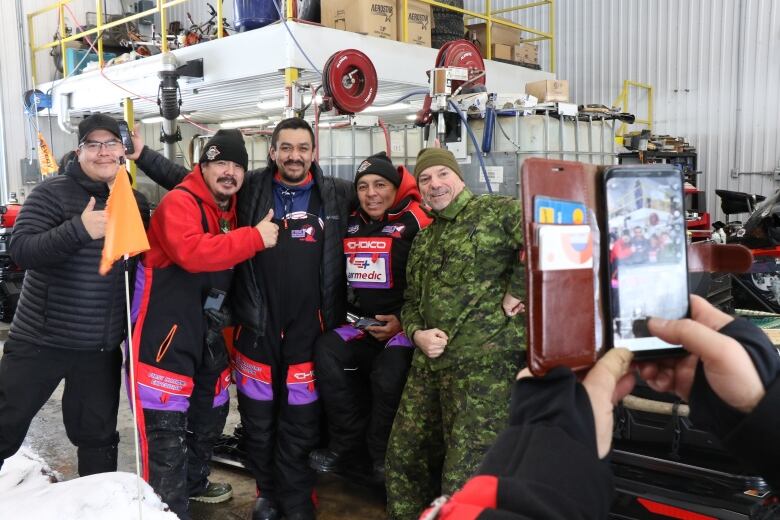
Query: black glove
pixel 215 354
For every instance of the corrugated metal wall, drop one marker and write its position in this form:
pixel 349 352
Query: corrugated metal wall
pixel 714 66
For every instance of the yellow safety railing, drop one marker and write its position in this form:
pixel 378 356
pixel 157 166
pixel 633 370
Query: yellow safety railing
pixel 489 17
pixel 622 101
pixel 100 26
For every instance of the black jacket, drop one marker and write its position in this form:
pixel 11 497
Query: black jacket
pixel 255 198
pixel 400 224
pixel 545 464
pixel 65 302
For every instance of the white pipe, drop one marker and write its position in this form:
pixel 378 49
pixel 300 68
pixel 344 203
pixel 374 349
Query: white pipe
pixel 63 115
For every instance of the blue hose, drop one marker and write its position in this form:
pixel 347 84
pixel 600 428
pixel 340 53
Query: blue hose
pixel 490 123
pixel 476 145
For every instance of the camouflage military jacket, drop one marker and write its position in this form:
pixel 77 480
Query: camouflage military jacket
pixel 459 269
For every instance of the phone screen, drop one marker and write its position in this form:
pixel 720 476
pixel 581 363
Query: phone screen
pixel 214 300
pixel 647 255
pixel 127 141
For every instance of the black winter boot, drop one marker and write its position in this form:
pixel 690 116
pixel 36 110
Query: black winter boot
pixel 265 509
pixel 165 435
pixel 326 460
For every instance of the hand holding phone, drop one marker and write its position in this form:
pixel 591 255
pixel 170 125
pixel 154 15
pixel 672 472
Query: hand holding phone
pixel 390 326
pixel 214 300
pixel 127 140
pixel 729 369
pixel 364 323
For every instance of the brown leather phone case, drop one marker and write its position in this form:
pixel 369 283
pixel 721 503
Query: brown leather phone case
pixel 564 313
pixel 564 320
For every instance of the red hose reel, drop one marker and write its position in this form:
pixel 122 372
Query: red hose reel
pixel 461 54
pixel 464 54
pixel 349 81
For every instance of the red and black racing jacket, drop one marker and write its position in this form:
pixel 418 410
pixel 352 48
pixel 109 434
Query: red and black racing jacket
pixel 377 251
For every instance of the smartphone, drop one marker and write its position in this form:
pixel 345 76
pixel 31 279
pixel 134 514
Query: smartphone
pixel 127 141
pixel 647 255
pixel 359 322
pixel 214 300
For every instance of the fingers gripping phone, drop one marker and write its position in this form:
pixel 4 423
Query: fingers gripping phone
pixel 647 255
pixel 360 322
pixel 214 300
pixel 127 140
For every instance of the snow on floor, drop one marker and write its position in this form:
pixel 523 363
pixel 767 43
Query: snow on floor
pixel 28 489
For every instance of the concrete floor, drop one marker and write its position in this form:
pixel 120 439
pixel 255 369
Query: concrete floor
pixel 338 498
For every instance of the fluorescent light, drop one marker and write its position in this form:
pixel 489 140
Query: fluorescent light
pixel 271 104
pixel 395 107
pixel 241 123
pixel 160 119
pixel 411 117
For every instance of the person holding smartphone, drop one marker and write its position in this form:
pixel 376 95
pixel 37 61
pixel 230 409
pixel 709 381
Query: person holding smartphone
pixel 552 461
pixel 181 362
pixel 372 352
pixel 282 300
pixel 70 320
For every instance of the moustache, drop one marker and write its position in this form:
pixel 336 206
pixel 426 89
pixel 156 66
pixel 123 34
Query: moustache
pixel 299 163
pixel 227 179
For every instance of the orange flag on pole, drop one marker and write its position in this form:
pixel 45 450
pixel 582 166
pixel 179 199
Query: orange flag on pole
pixel 125 234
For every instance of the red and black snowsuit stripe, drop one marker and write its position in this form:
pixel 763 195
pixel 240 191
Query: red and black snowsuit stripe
pixel 182 383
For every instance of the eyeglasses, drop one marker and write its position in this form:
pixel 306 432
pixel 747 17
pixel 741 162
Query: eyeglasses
pixel 94 146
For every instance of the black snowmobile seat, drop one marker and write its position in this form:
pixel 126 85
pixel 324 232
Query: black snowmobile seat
pixel 732 202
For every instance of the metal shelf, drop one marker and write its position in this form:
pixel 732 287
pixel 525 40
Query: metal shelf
pixel 244 68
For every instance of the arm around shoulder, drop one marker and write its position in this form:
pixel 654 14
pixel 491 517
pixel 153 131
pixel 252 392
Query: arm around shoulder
pixel 160 169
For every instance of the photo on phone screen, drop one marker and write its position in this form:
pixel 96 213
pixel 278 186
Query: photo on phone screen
pixel 127 140
pixel 648 266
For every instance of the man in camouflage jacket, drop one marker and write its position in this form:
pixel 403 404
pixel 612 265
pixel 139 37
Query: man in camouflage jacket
pixel 465 285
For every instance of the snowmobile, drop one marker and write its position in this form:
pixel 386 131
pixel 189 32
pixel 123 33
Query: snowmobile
pixel 11 275
pixel 758 289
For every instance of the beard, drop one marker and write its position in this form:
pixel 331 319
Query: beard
pixel 292 177
pixel 439 202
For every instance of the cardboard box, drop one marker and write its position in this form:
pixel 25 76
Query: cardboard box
pixel 525 53
pixel 372 17
pixel 502 52
pixel 549 90
pixel 499 34
pixel 419 22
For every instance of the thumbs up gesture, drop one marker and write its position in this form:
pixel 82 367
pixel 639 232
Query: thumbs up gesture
pixel 94 221
pixel 268 230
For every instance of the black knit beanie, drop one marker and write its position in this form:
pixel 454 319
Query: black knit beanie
pixel 379 164
pixel 226 145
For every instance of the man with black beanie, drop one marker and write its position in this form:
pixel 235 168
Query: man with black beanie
pixel 70 320
pixel 282 299
pixel 372 353
pixel 181 362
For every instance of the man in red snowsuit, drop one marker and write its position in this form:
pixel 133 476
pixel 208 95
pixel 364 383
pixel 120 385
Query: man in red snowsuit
pixel 181 370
